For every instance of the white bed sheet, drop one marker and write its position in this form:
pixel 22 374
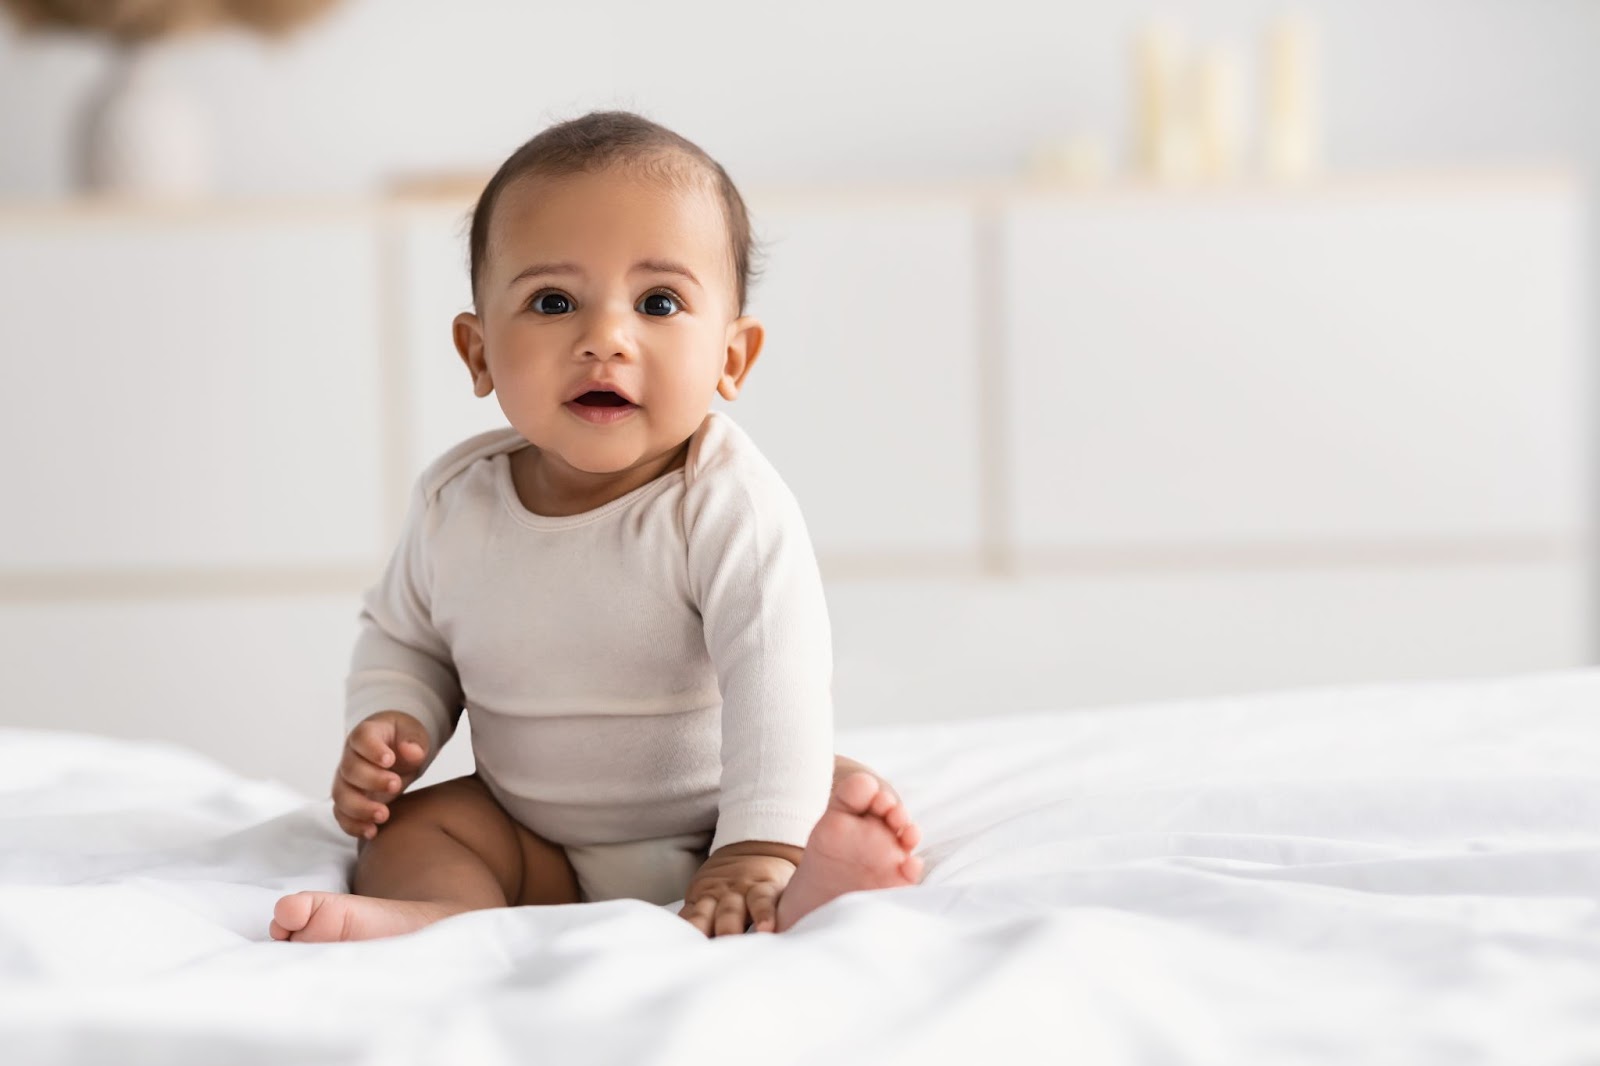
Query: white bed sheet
pixel 1387 874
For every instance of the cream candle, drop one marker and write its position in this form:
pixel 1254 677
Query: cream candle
pixel 1156 132
pixel 1290 136
pixel 1217 121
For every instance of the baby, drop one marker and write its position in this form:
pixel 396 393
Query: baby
pixel 618 588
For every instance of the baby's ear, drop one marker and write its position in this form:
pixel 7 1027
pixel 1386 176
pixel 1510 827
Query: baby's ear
pixel 745 337
pixel 468 334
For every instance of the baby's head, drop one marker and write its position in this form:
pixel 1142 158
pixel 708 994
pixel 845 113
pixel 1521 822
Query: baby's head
pixel 609 250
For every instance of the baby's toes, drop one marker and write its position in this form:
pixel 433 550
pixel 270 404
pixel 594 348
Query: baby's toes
pixel 897 818
pixel 911 869
pixel 883 804
pixel 291 913
pixel 856 792
pixel 910 836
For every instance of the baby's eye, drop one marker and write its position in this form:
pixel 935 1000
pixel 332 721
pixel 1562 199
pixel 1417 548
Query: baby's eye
pixel 541 303
pixel 653 304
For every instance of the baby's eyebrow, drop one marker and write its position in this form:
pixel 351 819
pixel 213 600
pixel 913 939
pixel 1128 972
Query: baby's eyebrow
pixel 651 266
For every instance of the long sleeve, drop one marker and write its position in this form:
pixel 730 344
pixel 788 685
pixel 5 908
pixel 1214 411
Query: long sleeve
pixel 400 662
pixel 754 577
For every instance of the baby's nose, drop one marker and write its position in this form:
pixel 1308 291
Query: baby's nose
pixel 607 337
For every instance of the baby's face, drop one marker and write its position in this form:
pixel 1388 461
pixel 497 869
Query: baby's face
pixel 606 277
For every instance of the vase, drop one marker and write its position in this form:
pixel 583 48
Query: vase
pixel 140 136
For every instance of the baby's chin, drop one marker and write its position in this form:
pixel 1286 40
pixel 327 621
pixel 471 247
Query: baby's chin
pixel 604 451
pixel 618 458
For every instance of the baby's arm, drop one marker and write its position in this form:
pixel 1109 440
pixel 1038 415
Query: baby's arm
pixel 756 582
pixel 402 689
pixel 401 662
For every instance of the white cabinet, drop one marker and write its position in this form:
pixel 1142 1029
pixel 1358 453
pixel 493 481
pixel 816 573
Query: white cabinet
pixel 1388 365
pixel 196 391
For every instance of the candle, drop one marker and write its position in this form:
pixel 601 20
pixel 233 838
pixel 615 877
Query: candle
pixel 1157 140
pixel 1216 107
pixel 1290 135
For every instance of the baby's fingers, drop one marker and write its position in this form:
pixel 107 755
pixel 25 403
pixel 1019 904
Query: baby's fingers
pixel 362 775
pixel 732 916
pixel 370 740
pixel 394 741
pixel 358 809
pixel 412 752
pixel 763 903
pixel 698 913
pixel 355 827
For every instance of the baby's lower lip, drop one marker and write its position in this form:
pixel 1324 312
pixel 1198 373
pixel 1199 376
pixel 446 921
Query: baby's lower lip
pixel 600 416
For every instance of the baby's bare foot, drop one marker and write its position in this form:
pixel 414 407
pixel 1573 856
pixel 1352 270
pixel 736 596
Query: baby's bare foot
pixel 319 916
pixel 863 840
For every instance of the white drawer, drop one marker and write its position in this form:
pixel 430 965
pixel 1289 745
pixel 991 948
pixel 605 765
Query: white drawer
pixel 189 392
pixel 1316 366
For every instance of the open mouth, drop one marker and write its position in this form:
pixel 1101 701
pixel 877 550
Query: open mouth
pixel 601 399
pixel 601 407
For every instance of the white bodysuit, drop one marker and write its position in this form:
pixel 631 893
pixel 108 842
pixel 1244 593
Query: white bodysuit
pixel 657 666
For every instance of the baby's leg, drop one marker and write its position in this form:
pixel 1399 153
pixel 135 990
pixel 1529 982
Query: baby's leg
pixel 444 850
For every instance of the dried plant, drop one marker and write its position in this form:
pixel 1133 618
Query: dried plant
pixel 131 21
pixel 274 16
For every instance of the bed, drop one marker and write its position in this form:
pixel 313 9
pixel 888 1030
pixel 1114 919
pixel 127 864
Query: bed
pixel 1403 873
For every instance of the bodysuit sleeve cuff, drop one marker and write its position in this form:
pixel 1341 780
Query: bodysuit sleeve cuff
pixel 777 825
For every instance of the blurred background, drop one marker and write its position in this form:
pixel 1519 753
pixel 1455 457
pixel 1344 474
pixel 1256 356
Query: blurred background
pixel 1115 352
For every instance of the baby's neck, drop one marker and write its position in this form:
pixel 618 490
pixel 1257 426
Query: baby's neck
pixel 560 494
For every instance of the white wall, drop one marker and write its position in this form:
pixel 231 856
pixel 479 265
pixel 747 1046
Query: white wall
pixel 827 90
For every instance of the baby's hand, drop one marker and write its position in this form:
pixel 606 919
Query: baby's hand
pixel 733 890
pixel 382 756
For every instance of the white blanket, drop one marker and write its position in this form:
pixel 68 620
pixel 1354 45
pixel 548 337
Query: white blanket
pixel 1393 874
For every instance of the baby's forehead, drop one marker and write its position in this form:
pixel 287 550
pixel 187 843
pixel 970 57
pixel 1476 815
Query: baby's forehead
pixel 686 217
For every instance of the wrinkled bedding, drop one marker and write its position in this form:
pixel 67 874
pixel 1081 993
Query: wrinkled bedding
pixel 1384 874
